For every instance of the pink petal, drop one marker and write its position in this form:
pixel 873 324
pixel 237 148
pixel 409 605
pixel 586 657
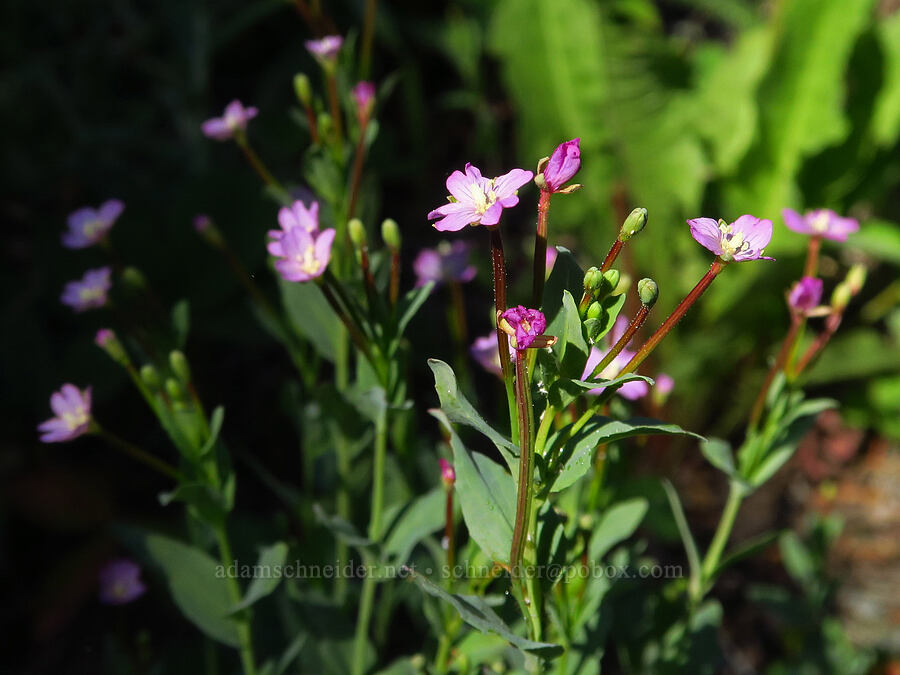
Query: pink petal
pixel 796 222
pixel 506 185
pixel 706 232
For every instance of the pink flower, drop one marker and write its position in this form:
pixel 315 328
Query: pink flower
pixel 821 222
pixel 484 350
pixel 448 474
pixel 90 292
pixel 202 222
pixel 551 258
pixel 233 121
pixel 326 49
pixel 563 165
pixel 664 384
pixel 805 295
pixel 103 337
pixel 630 390
pixel 120 582
pixel 475 200
pixel 303 255
pixel 742 240
pixel 446 264
pixel 524 325
pixel 364 98
pixel 72 408
pixel 295 216
pixel 89 226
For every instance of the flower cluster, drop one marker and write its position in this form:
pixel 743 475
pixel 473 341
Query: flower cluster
pixel 301 249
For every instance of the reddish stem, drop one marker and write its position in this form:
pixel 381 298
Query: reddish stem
pixel 633 328
pixel 498 262
pixel 540 249
pixel 612 255
pixel 831 326
pixel 812 256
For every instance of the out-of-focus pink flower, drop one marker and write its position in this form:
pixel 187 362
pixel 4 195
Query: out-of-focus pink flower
pixel 233 121
pixel 103 337
pixel 476 200
pixel 89 292
pixel 742 240
pixel 821 222
pixel 364 98
pixel 524 325
pixel 120 582
pixel 326 49
pixel 89 226
pixel 297 215
pixel 202 222
pixel 304 255
pixel 563 165
pixel 448 474
pixel 72 408
pixel 447 263
pixel 664 384
pixel 630 390
pixel 484 350
pixel 805 295
pixel 551 258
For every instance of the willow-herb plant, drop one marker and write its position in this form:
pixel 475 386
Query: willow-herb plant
pixel 569 363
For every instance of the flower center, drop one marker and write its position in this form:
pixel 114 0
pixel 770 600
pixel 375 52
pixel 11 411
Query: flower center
pixel 481 199
pixel 820 222
pixel 74 419
pixel 92 229
pixel 731 242
pixel 525 325
pixel 91 294
pixel 307 260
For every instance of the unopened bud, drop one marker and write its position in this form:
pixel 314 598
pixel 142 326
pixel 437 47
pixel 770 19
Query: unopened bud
pixel 174 389
pixel 179 364
pixel 593 278
pixel 633 224
pixel 648 292
pixel 624 283
pixel 150 377
pixel 302 89
pixel 841 295
pixel 134 278
pixel 107 340
pixel 612 278
pixel 595 311
pixel 448 474
pixel 323 122
pixel 390 233
pixel 856 277
pixel 357 232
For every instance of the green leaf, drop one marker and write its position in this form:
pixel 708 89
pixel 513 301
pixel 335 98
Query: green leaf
pixel 215 428
pixel 487 496
pixel 477 613
pixel 181 322
pixel 797 559
pixel 460 411
pixel 271 560
pixel 878 238
pixel 310 315
pixel 208 505
pixel 566 275
pixel 687 539
pixel 411 304
pixel 340 528
pixel 571 349
pixel 576 455
pixel 719 454
pixel 196 582
pixel 886 116
pixel 745 550
pixel 421 517
pixel 617 524
pixel 562 392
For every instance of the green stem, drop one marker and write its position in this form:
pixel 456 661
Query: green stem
pixel 787 346
pixel 366 602
pixel 242 619
pixel 138 454
pixel 365 56
pixel 342 450
pixel 723 532
pixel 336 115
pixel 540 439
pixel 525 490
pixel 261 170
pixel 540 250
pixel 674 317
pixel 356 175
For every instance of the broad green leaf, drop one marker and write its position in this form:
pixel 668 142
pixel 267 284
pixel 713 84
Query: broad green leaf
pixel 687 539
pixel 576 455
pixel 421 517
pixel 340 528
pixel 566 275
pixel 562 392
pixel 719 454
pixel 311 316
pixel 617 524
pixel 797 559
pixel 886 116
pixel 571 349
pixel 460 411
pixel 266 574
pixel 196 581
pixel 477 613
pixel 487 496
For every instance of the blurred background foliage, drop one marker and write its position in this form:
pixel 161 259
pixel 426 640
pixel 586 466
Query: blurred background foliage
pixel 686 107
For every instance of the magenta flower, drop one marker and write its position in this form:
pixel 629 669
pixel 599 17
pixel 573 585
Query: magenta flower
pixel 448 474
pixel 103 337
pixel 303 255
pixel 821 222
pixel 326 49
pixel 232 122
pixel 664 384
pixel 89 226
pixel 630 390
pixel 805 295
pixel 364 98
pixel 448 263
pixel 475 200
pixel 90 291
pixel 550 259
pixel 484 351
pixel 72 408
pixel 563 165
pixel 295 216
pixel 525 326
pixel 202 222
pixel 742 240
pixel 120 582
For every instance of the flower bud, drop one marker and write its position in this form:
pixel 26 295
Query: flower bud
pixel 150 377
pixel 595 311
pixel 324 123
pixel 592 280
pixel 179 364
pixel 563 164
pixel 448 474
pixel 612 278
pixel 302 89
pixel 856 277
pixel 390 233
pixel 840 297
pixel 648 292
pixel 357 232
pixel 107 340
pixel 633 224
pixel 174 389
pixel 133 278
